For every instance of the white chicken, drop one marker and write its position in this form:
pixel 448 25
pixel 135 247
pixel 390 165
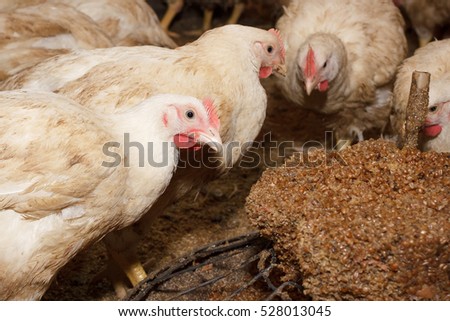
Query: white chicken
pixel 127 23
pixel 32 34
pixel 432 58
pixel 225 64
pixel 426 16
pixel 69 176
pixel 341 60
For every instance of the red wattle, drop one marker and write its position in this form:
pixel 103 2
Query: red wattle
pixel 265 72
pixel 183 141
pixel 432 130
pixel 323 85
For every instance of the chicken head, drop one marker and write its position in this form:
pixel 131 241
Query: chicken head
pixel 272 55
pixel 320 60
pixel 436 131
pixel 438 116
pixel 193 125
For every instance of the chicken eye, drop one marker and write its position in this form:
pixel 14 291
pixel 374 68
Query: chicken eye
pixel 324 65
pixel 269 49
pixel 190 114
pixel 433 108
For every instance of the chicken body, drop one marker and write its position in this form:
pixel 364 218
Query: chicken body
pixel 341 59
pixel 34 30
pixel 10 5
pixel 128 23
pixel 32 34
pixel 225 64
pixel 432 58
pixel 68 177
pixel 426 16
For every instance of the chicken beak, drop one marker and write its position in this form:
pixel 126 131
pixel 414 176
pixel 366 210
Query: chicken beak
pixel 211 138
pixel 310 84
pixel 280 69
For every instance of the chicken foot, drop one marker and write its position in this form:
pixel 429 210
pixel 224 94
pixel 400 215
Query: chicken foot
pixel 173 9
pixel 236 14
pixel 130 264
pixel 424 35
pixel 208 17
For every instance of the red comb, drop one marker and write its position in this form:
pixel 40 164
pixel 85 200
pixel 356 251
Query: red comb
pixel 211 110
pixel 310 69
pixel 276 32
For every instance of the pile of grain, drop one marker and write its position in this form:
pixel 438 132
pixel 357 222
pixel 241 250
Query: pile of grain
pixel 372 224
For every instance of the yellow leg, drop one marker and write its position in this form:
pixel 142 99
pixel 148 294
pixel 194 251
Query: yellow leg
pixel 130 264
pixel 236 14
pixel 172 11
pixel 207 23
pixel 425 35
pixel 423 41
pixel 207 19
pixel 117 279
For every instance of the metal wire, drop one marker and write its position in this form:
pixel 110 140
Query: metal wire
pixel 248 255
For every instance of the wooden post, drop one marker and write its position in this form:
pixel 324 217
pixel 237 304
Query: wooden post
pixel 417 108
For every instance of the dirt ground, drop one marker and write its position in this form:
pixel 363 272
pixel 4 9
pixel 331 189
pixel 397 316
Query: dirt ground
pixel 217 211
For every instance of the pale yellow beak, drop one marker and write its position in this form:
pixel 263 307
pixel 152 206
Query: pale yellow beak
pixel 280 69
pixel 211 138
pixel 310 84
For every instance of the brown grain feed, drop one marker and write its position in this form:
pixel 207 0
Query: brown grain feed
pixel 370 224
